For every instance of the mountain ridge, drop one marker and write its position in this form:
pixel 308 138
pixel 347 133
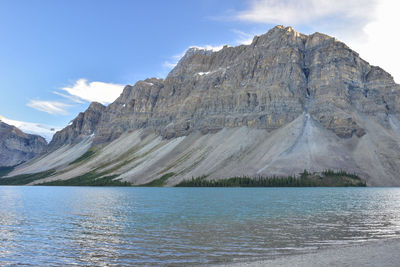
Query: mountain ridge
pixel 145 94
pixel 329 99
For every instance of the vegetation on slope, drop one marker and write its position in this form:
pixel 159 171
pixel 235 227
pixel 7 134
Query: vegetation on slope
pixel 92 178
pixel 160 181
pixel 89 179
pixel 6 170
pixel 24 179
pixel 85 156
pixel 306 179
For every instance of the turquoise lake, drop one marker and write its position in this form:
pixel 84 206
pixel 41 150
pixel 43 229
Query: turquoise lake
pixel 183 226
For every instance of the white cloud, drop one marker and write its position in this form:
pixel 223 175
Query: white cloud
pixel 170 64
pixel 382 38
pixel 93 91
pixel 70 97
pixel 367 26
pixel 51 107
pixel 292 12
pixel 243 37
pixel 80 92
pixel 43 130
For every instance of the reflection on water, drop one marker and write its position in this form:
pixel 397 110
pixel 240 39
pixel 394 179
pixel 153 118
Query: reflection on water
pixel 146 226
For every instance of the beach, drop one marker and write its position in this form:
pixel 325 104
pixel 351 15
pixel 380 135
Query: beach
pixel 371 253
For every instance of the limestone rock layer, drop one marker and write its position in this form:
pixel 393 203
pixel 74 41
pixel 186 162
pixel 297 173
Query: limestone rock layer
pixel 265 85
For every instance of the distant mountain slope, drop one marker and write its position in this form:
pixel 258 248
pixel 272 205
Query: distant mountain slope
pixel 17 146
pixel 42 130
pixel 285 103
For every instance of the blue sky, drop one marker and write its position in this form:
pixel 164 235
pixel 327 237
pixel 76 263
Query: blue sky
pixel 57 56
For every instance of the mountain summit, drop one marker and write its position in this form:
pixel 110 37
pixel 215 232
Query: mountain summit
pixel 285 103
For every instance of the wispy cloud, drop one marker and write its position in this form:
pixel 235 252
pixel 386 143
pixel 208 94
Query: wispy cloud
pixel 51 107
pixel 79 92
pixel 69 97
pixel 93 91
pixel 171 63
pixel 294 12
pixel 243 37
pixel 346 18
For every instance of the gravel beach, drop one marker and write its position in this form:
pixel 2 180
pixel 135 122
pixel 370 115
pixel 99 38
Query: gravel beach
pixel 373 253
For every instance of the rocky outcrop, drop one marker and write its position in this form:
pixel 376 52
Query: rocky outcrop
pixel 267 84
pixel 17 147
pixel 82 126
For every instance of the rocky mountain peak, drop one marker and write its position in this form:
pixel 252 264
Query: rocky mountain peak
pixel 188 59
pixel 83 126
pixel 194 50
pixel 267 84
pixel 95 107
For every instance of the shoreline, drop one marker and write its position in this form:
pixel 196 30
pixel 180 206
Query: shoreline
pixel 384 252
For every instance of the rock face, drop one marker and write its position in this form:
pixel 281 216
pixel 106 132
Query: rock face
pixel 264 85
pixel 17 147
pixel 285 103
pixel 82 126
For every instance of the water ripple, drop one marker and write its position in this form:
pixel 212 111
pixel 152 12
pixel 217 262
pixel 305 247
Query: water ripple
pixel 69 226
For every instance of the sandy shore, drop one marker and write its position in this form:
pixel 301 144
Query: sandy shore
pixel 374 253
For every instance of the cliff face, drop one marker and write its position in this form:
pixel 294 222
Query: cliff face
pixel 264 85
pixel 17 147
pixel 82 126
pixel 285 103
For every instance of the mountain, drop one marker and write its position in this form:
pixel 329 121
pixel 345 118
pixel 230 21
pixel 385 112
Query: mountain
pixel 285 103
pixel 17 146
pixel 43 130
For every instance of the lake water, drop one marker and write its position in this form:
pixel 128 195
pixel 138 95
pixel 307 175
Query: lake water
pixel 171 226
